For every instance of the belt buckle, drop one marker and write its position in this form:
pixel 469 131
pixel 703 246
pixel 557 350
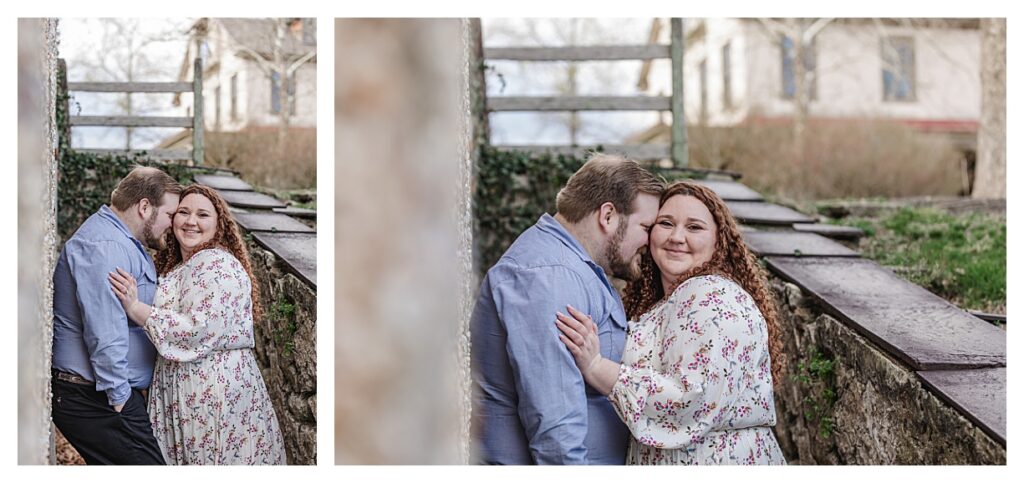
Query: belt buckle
pixel 73 378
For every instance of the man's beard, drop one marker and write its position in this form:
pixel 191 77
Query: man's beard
pixel 626 269
pixel 153 242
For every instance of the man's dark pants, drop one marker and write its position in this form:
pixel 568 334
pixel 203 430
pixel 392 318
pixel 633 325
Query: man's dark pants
pixel 101 435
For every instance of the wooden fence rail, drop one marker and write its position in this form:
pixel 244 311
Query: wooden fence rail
pixel 194 122
pixel 677 150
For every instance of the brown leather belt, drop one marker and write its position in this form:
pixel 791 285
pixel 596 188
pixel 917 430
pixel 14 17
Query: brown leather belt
pixel 72 378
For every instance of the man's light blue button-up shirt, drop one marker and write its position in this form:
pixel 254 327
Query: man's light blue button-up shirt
pixel 531 404
pixel 92 336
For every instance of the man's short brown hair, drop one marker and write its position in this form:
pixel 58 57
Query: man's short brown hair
pixel 605 178
pixel 143 182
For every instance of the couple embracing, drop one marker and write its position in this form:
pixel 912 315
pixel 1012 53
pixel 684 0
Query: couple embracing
pixel 677 371
pixel 152 361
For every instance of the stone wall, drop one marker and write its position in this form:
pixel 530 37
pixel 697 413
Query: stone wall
pixel 37 234
pixel 286 351
pixel 846 401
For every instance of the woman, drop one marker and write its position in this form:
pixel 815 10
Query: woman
pixel 208 402
pixel 695 382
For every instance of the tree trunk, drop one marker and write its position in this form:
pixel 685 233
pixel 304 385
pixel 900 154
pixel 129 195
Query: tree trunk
pixel 801 97
pixel 990 175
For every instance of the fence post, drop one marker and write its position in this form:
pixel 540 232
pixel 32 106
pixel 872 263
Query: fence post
pixel 197 114
pixel 680 156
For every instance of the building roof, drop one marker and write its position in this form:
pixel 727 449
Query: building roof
pixel 259 34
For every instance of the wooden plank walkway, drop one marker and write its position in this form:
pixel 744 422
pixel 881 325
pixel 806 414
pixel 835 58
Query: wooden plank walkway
pixel 760 213
pixel 980 394
pixel 267 220
pixel 730 190
pixel 914 325
pixel 272 222
pixel 251 199
pixel 837 232
pixel 222 182
pixel 787 243
pixel 297 250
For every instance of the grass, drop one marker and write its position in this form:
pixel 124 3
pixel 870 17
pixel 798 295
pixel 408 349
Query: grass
pixel 960 257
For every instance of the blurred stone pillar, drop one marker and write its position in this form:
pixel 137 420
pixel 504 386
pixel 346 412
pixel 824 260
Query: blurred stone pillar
pixel 402 242
pixel 37 234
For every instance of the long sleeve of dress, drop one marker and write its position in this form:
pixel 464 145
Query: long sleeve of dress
pixel 214 311
pixel 703 367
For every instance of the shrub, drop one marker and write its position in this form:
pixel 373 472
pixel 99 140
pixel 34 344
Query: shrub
pixel 842 159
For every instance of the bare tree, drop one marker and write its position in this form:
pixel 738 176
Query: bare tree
pixel 990 175
pixel 127 50
pixel 280 61
pixel 802 31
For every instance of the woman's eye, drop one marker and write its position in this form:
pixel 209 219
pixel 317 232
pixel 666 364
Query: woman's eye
pixel 665 223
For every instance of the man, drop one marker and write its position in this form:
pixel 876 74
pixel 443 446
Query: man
pixel 102 364
pixel 532 406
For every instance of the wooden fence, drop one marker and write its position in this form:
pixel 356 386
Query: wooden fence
pixel 194 122
pixel 677 150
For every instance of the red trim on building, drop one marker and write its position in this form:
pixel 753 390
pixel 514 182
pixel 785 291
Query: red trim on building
pixel 965 126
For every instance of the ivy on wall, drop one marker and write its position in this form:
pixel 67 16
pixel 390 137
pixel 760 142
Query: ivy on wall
pixel 513 189
pixel 85 180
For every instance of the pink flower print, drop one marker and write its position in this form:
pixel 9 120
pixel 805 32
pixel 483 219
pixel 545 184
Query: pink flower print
pixel 685 305
pixel 729 349
pixel 700 358
pixel 704 410
pixel 693 326
pixel 743 411
pixel 745 355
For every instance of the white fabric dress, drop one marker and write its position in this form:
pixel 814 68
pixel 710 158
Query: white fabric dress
pixel 208 402
pixel 695 384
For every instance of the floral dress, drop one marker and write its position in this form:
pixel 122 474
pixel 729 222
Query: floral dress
pixel 695 384
pixel 208 403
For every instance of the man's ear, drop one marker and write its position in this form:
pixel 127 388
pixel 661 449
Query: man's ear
pixel 145 208
pixel 608 218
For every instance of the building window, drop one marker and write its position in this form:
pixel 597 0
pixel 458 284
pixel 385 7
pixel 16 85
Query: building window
pixel 726 76
pixel 275 93
pixel 788 71
pixel 234 97
pixel 216 108
pixel 703 90
pixel 898 82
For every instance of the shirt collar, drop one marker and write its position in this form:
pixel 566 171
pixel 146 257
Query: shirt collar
pixel 550 225
pixel 109 214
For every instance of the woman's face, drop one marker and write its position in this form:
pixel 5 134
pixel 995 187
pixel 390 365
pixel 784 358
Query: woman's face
pixel 683 237
pixel 195 222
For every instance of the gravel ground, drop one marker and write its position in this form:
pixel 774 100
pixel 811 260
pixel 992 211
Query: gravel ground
pixel 66 454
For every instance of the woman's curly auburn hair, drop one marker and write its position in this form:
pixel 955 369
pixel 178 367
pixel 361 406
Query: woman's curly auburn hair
pixel 731 259
pixel 227 237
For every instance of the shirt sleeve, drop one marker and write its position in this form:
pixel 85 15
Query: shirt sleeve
pixel 704 350
pixel 215 296
pixel 552 397
pixel 104 323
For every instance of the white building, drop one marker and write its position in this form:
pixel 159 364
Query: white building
pixel 921 72
pixel 242 63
